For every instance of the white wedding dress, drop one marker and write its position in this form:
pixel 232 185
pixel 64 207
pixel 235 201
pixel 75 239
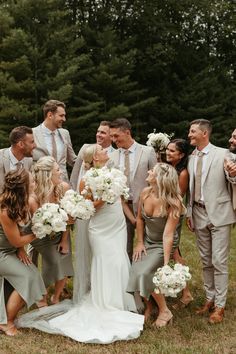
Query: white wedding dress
pixel 103 315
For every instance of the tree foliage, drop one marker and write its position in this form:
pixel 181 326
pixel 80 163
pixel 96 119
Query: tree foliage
pixel 158 63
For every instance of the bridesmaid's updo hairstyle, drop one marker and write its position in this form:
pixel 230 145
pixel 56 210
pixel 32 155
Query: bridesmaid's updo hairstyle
pixel 168 190
pixel 42 173
pixel 88 156
pixel 15 195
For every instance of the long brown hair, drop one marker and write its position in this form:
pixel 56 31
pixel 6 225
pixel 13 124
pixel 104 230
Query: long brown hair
pixel 15 194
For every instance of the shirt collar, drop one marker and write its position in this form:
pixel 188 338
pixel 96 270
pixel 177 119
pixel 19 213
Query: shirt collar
pixel 132 148
pixel 205 150
pixel 48 131
pixel 13 159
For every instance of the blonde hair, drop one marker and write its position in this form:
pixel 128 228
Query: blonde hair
pixel 168 190
pixel 42 173
pixel 88 156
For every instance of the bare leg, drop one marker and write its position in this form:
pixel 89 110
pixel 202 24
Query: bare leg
pixel 59 285
pixel 148 309
pixel 165 315
pixel 14 304
pixel 186 295
pixel 43 302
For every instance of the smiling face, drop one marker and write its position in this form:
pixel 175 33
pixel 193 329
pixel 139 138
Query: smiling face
pixel 232 142
pixel 173 155
pixel 100 156
pixel 121 138
pixel 56 174
pixel 197 136
pixel 103 136
pixel 57 118
pixel 27 145
pixel 151 178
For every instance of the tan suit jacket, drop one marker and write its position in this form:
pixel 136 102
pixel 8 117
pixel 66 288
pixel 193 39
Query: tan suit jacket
pixel 5 165
pixel 216 195
pixel 145 159
pixel 68 156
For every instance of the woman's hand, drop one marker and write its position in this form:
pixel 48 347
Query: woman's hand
pixel 63 246
pixel 23 257
pixel 138 251
pixel 70 220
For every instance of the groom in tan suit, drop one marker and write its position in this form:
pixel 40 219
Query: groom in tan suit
pixel 51 139
pixel 141 158
pixel 19 154
pixel 210 214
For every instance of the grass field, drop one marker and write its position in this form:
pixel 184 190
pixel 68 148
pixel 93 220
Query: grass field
pixel 188 334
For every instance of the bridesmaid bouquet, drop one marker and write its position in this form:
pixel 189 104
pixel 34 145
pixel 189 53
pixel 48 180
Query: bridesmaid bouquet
pixel 169 281
pixel 106 184
pixel 77 206
pixel 48 220
pixel 158 141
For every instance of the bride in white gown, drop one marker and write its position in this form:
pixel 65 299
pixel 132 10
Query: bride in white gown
pixel 103 315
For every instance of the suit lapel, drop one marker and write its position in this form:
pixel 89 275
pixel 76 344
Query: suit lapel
pixel 191 174
pixel 208 163
pixel 138 154
pixel 6 161
pixel 39 138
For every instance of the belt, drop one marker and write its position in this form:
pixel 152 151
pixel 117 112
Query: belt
pixel 200 205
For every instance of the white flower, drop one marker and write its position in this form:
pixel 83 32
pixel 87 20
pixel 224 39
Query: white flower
pixel 48 219
pixel 76 206
pixel 170 281
pixel 106 184
pixel 158 141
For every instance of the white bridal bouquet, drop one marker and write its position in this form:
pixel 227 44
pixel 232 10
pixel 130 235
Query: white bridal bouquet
pixel 170 281
pixel 158 141
pixel 48 220
pixel 77 206
pixel 106 184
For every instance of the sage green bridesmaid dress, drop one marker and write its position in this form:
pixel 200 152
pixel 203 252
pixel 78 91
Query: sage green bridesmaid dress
pixel 143 270
pixel 14 274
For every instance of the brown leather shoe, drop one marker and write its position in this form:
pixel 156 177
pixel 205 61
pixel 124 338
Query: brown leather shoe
pixel 217 315
pixel 207 307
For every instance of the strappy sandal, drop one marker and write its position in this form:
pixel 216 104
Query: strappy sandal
pixel 163 321
pixel 181 304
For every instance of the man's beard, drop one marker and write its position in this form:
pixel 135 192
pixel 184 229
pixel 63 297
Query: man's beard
pixel 232 149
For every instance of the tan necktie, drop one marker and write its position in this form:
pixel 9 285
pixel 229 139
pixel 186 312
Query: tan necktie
pixel 198 177
pixel 127 167
pixel 54 146
pixel 19 165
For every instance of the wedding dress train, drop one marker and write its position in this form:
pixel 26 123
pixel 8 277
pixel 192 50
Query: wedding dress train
pixel 103 315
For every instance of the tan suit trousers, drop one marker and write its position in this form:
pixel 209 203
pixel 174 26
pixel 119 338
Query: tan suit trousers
pixel 213 244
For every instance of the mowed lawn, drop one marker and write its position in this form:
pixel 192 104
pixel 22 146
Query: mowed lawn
pixel 188 334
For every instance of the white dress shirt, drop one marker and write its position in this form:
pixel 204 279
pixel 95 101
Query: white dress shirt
pixel 205 152
pixel 47 134
pixel 14 161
